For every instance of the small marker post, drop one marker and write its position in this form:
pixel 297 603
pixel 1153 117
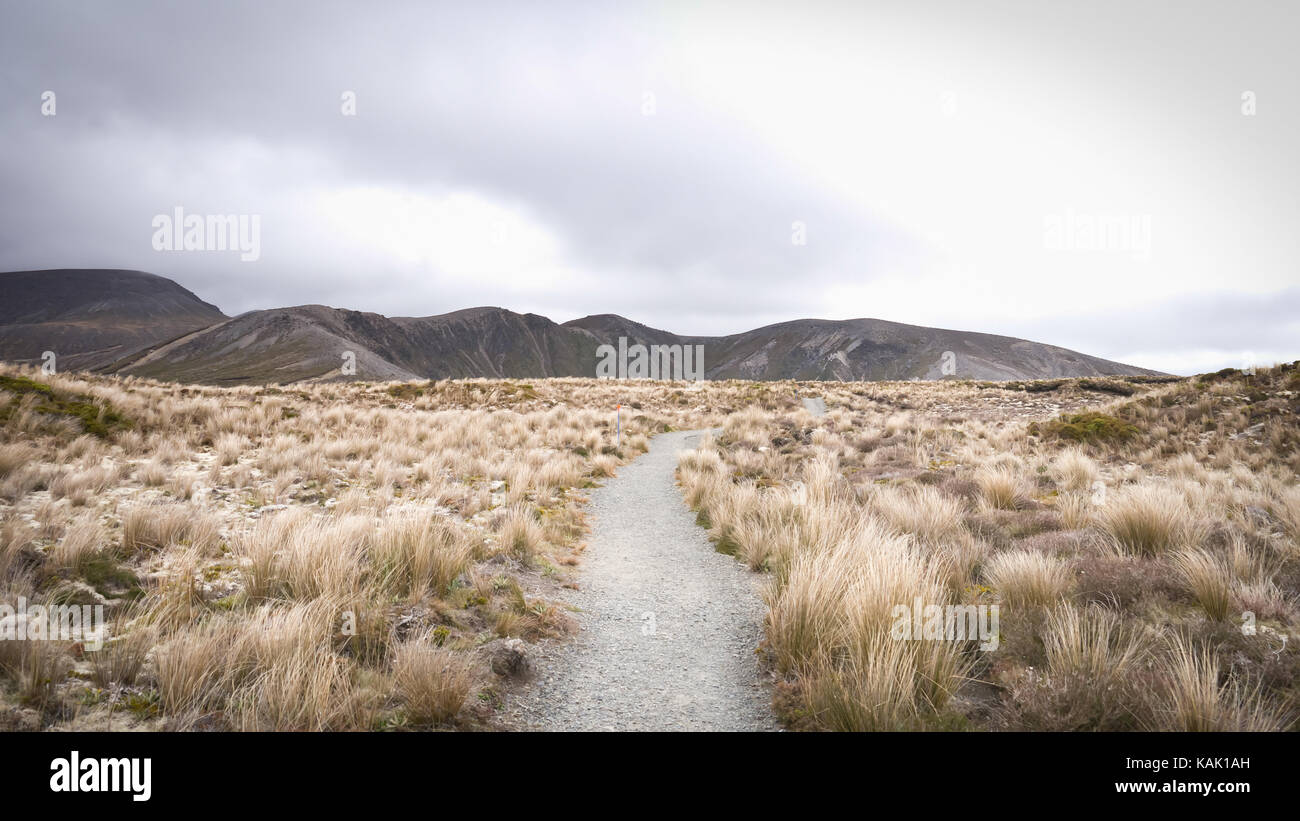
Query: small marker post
pixel 618 425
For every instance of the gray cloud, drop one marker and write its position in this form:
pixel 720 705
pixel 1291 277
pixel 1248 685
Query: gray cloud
pixel 681 219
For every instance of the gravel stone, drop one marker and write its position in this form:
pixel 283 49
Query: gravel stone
pixel 668 626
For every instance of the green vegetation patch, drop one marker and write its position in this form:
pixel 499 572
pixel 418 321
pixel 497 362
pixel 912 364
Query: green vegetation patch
pixel 1107 386
pixel 465 392
pixel 408 390
pixel 1089 427
pixel 110 579
pixel 98 418
pixel 1044 385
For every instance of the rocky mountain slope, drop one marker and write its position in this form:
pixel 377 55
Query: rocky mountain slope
pixel 134 323
pixel 316 342
pixel 90 318
pixel 865 349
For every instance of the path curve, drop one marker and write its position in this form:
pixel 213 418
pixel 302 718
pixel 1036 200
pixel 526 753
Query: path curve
pixel 669 626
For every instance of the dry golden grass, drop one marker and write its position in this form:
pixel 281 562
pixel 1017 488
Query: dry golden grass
pixel 1076 510
pixel 1025 578
pixel 311 691
pixel 158 526
pixel 1002 488
pixel 13 456
pixel 1209 581
pixel 188 679
pixel 829 623
pixel 519 534
pixel 122 658
pixel 1287 509
pixel 421 520
pixel 82 540
pixel 1145 520
pixel 35 668
pixel 923 511
pixel 1098 546
pixel 885 685
pixel 433 682
pixel 417 556
pixel 1075 470
pixel 211 517
pixel 1196 700
pixel 1092 643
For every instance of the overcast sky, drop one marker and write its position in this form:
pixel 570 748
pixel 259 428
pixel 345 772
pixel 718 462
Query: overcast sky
pixel 941 161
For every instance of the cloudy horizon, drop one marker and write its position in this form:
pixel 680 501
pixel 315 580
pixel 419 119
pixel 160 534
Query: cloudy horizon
pixel 1115 180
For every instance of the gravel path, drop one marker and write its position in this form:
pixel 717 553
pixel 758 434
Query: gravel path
pixel 668 625
pixel 816 406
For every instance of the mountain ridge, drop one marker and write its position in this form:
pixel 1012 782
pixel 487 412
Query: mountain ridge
pixel 91 317
pixel 189 340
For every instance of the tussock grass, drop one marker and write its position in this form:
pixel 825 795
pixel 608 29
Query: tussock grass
pixel 763 534
pixel 122 657
pixel 307 607
pixel 1074 470
pixel 164 525
pixel 1145 520
pixel 519 534
pixel 189 682
pixel 277 669
pixel 886 685
pixel 728 512
pixel 830 619
pixel 922 511
pixel 433 682
pixel 1076 509
pixel 604 465
pixel 13 456
pixel 303 692
pixel 1209 581
pixel 1027 578
pixel 16 537
pixel 1001 488
pixel 1287 510
pixel 35 668
pixel 293 555
pixel 83 539
pixel 1196 700
pixel 1198 497
pixel 701 460
pixel 175 599
pixel 417 556
pixel 1093 644
pixel 81 487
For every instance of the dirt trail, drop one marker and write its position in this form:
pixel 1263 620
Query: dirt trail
pixel 669 625
pixel 815 405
